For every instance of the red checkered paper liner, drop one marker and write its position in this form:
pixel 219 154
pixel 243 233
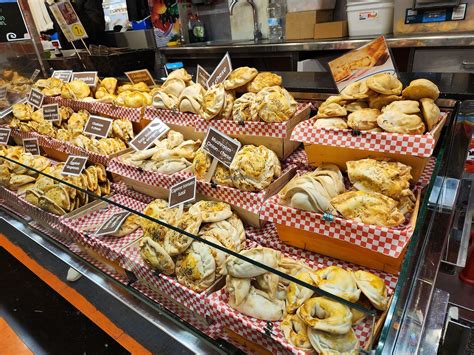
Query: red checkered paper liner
pixel 249 128
pixel 384 240
pixel 123 189
pixel 12 202
pixel 119 167
pixel 425 177
pixel 298 159
pixel 91 156
pixel 107 246
pixel 421 145
pixel 196 302
pixel 170 116
pixel 59 237
pixel 43 141
pixel 76 105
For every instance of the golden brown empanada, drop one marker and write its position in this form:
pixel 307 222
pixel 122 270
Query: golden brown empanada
pixel 420 89
pixel 385 83
pixel 264 80
pixel 364 119
pixel 239 77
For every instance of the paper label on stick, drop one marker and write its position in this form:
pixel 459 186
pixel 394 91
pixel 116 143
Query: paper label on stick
pixel 35 74
pixel 98 126
pixel 30 145
pixel 221 146
pixel 149 134
pixel 3 93
pixel 89 77
pixel 64 75
pixel 36 98
pixel 182 192
pixel 74 165
pixel 360 63
pixel 142 75
pixel 4 135
pixel 51 112
pixel 221 72
pixel 112 224
pixel 202 76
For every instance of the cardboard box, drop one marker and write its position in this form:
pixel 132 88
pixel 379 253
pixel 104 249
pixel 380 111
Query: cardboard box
pixel 300 25
pixel 334 29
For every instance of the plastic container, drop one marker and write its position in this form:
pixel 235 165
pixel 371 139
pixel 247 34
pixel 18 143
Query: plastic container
pixel 369 17
pixel 309 5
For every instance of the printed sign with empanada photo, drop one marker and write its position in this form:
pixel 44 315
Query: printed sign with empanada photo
pixel 370 59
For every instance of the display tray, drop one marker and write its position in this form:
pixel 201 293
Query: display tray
pixel 275 136
pixel 376 247
pixel 339 146
pixel 147 182
pixel 98 108
pixel 246 204
pixel 254 334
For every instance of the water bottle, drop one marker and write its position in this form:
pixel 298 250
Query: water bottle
pixel 275 30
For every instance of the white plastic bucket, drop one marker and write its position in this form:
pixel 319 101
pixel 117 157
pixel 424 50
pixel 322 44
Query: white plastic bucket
pixel 369 17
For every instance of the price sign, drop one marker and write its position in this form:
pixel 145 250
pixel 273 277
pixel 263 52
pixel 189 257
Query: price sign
pixel 74 165
pixel 202 76
pixel 149 134
pixel 142 75
pixel 64 75
pixel 112 224
pixel 4 135
pixel 221 146
pixel 30 145
pixel 51 112
pixel 36 98
pixel 98 126
pixel 3 93
pixel 89 77
pixel 34 75
pixel 221 72
pixel 182 192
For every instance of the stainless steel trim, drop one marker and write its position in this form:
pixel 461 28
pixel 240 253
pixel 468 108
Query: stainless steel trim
pixel 249 46
pixel 466 230
pixel 165 324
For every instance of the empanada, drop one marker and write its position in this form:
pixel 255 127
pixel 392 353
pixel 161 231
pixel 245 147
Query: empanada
pixel 385 83
pixel 355 91
pixel 420 89
pixel 326 343
pixel 364 119
pixel 180 74
pixel 296 294
pixel 274 104
pixel 331 110
pixel 196 268
pixel 173 87
pixel 330 123
pixel 264 80
pixel 373 287
pixel 165 101
pixel 356 105
pixel 214 101
pixel 398 122
pixel 431 113
pixel 295 332
pixel 241 110
pixel 201 164
pixel 156 256
pixel 339 282
pixel 379 101
pixel 211 211
pixel 237 267
pixel 191 99
pixel 405 106
pixel 239 77
pixel 222 176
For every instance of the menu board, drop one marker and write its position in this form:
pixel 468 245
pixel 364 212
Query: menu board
pixel 12 23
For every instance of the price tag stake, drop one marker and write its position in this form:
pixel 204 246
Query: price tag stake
pixel 182 192
pixel 148 135
pixel 4 135
pixel 30 145
pixel 98 126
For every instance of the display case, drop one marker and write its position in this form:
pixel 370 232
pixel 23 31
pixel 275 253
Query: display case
pixel 218 271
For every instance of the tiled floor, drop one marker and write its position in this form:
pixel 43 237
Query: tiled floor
pixel 36 319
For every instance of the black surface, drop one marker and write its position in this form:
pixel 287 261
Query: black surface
pixel 46 322
pixel 452 85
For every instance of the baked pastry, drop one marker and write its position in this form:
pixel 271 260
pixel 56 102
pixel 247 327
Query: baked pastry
pixel 295 332
pixel 176 243
pixel 356 105
pixel 222 176
pixel 109 84
pixel 326 343
pixel 339 282
pixel 369 208
pixel 274 104
pixel 196 268
pixel 263 80
pixel 386 177
pixel 431 112
pixel 123 129
pixel 164 101
pixel 173 87
pixel 321 313
pixel 76 90
pixel 241 110
pixel 214 101
pixel 373 287
pixel 364 119
pixel 256 303
pixel 237 267
pixel 313 191
pixel 296 294
pixel 156 256
pixel 355 91
pixel 420 89
pixel 379 101
pixel 229 232
pixel 398 122
pixel 191 99
pixel 201 164
pixel 226 112
pixel 404 106
pixel 211 211
pixel 180 74
pixel 239 77
pixel 385 83
pixel 254 168
pixel 135 99
pixel 332 109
